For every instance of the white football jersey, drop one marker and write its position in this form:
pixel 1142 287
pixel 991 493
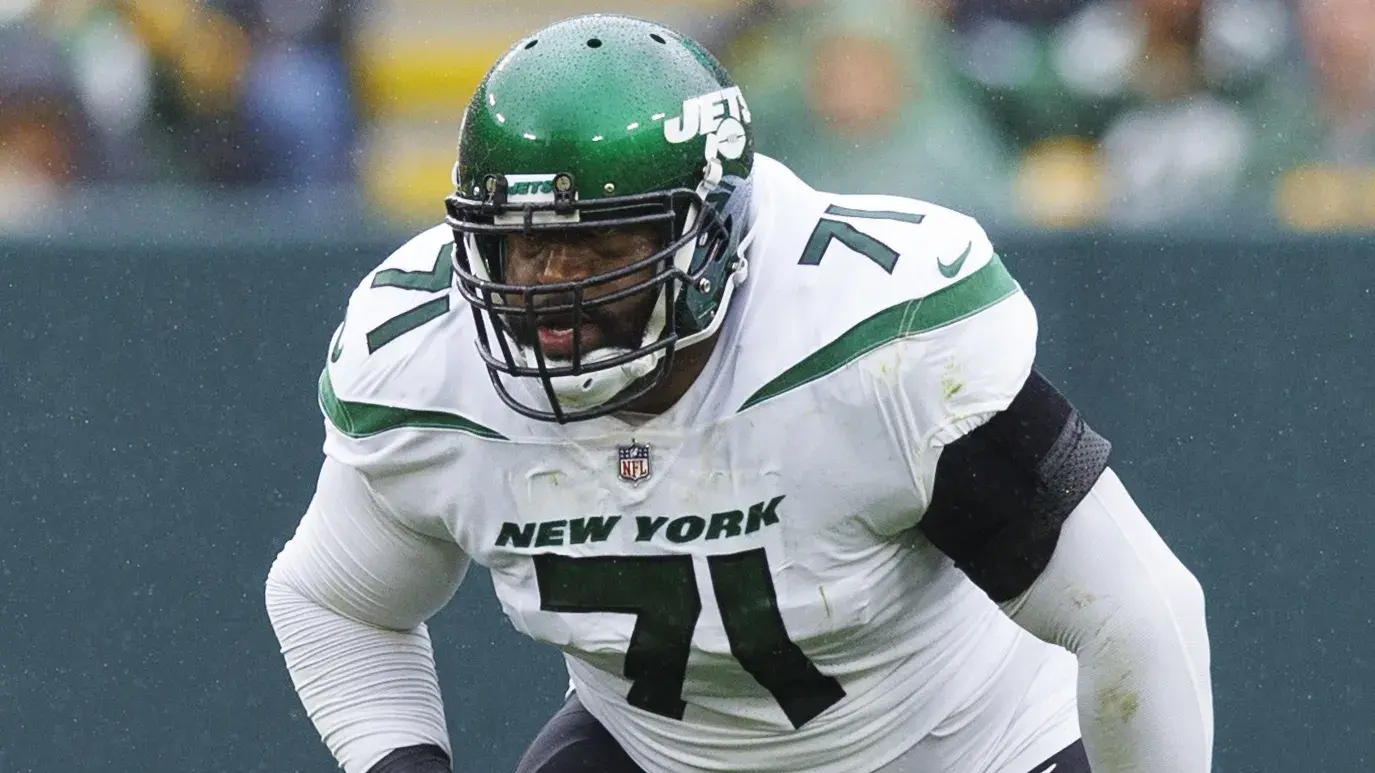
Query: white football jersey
pixel 737 583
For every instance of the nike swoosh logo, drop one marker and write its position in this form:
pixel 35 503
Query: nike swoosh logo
pixel 338 349
pixel 1053 766
pixel 951 270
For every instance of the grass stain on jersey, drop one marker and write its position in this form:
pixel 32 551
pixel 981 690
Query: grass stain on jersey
pixel 951 385
pixel 1118 702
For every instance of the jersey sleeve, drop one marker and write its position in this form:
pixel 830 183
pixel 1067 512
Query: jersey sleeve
pixel 910 293
pixel 904 314
pixel 390 362
pixel 959 375
pixel 965 340
pixel 348 597
pixel 963 332
pixel 920 355
pixel 1116 596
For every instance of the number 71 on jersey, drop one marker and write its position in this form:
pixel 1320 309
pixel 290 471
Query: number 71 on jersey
pixel 661 591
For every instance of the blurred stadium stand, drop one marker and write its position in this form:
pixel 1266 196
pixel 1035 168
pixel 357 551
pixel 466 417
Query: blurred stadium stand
pixel 1033 113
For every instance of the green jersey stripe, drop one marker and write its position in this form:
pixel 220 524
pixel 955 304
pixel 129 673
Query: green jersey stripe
pixel 360 420
pixel 982 289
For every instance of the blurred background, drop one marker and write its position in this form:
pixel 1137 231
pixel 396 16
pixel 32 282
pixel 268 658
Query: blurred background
pixel 190 190
pixel 1047 114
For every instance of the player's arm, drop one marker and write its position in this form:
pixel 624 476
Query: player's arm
pixel 348 597
pixel 1026 505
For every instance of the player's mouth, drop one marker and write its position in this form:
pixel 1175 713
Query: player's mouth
pixel 558 341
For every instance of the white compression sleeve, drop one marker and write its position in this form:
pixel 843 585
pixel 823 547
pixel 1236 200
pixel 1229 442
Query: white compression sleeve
pixel 348 597
pixel 1116 596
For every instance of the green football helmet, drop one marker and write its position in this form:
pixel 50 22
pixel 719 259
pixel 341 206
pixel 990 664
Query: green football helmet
pixel 601 122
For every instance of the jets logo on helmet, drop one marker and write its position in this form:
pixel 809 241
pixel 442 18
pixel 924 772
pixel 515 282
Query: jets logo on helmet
pixel 537 189
pixel 720 116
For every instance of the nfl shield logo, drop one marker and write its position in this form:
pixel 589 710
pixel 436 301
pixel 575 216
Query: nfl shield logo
pixel 634 462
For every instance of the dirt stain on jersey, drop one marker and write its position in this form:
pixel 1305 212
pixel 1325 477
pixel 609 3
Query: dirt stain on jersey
pixel 951 384
pixel 1119 702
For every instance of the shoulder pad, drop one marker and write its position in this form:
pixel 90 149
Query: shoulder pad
pixel 868 271
pixel 917 248
pixel 402 360
pixel 410 288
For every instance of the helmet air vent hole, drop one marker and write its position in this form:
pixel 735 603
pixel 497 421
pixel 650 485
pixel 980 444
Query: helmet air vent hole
pixel 531 44
pixel 594 43
pixel 656 36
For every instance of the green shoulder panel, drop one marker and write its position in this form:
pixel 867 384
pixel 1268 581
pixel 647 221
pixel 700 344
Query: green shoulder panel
pixel 361 420
pixel 380 345
pixel 980 290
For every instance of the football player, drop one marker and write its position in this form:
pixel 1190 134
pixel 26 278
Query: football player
pixel 772 467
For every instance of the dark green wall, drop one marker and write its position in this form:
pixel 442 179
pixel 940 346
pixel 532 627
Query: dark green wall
pixel 163 439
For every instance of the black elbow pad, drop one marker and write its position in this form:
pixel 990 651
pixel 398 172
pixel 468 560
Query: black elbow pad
pixel 426 758
pixel 1003 491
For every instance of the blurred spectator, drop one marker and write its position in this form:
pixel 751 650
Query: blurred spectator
pixel 296 100
pixel 43 127
pixel 1341 41
pixel 1335 188
pixel 857 94
pixel 1145 112
pixel 242 92
pixel 1037 13
pixel 254 91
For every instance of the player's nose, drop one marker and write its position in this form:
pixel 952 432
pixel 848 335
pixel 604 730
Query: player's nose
pixel 566 262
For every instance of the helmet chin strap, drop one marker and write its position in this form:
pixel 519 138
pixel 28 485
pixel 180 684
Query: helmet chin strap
pixel 592 389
